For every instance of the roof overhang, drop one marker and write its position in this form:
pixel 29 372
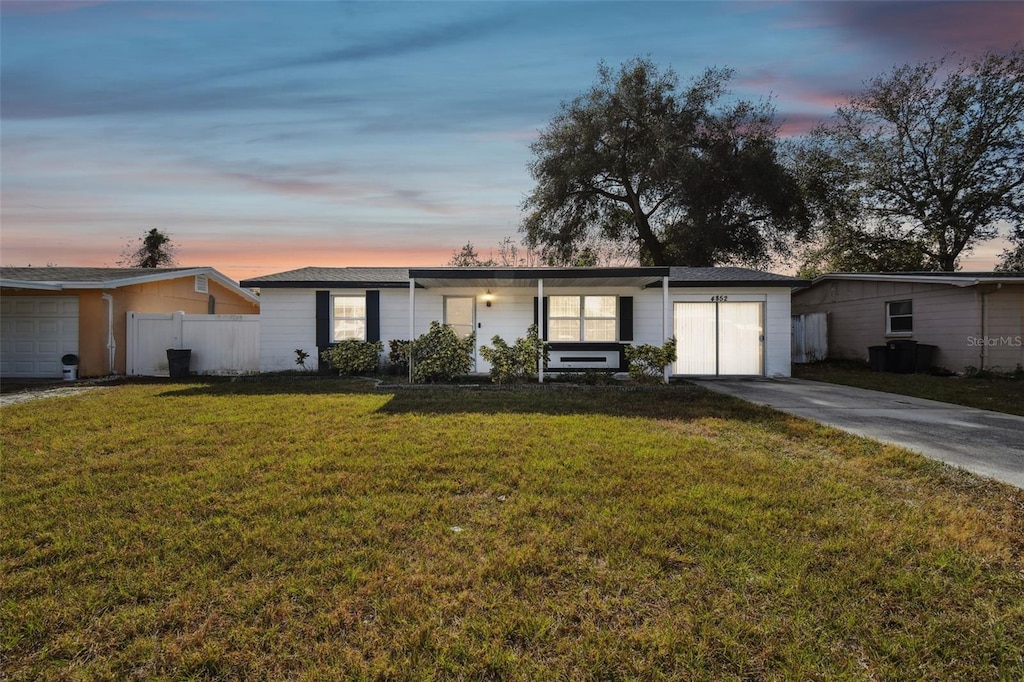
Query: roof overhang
pixel 65 285
pixel 36 286
pixel 327 284
pixel 923 278
pixel 529 277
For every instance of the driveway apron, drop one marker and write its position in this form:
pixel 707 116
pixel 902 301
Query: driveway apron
pixel 982 442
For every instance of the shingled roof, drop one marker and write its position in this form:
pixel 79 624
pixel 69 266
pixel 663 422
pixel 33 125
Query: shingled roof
pixel 59 278
pixel 54 274
pixel 386 277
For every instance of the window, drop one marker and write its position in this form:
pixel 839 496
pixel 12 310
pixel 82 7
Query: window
pixel 899 317
pixel 348 318
pixel 582 318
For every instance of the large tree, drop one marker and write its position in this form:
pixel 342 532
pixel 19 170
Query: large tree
pixel 665 171
pixel 920 167
pixel 1012 259
pixel 152 250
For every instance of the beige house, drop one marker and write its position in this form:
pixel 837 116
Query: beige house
pixel 975 319
pixel 46 313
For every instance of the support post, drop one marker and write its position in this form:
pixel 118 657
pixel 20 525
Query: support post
pixel 412 322
pixel 541 322
pixel 665 319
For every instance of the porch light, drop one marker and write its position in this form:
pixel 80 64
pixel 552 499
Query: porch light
pixel 488 298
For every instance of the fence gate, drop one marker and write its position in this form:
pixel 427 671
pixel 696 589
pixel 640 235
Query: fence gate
pixel 220 344
pixel 810 337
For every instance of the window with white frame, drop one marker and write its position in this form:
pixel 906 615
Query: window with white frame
pixel 348 318
pixel 899 317
pixel 582 318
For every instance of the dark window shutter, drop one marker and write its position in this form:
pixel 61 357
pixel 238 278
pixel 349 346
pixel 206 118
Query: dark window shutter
pixel 545 311
pixel 373 316
pixel 625 318
pixel 323 319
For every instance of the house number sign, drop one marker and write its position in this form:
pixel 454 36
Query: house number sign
pixel 719 299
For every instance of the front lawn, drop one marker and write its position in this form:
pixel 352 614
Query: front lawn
pixel 320 530
pixel 989 392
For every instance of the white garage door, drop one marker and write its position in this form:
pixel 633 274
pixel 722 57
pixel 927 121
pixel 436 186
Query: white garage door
pixel 35 332
pixel 723 338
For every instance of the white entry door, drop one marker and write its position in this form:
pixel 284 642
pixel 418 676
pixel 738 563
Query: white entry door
pixel 724 338
pixel 460 315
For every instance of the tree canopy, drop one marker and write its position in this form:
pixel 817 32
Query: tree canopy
pixel 152 250
pixel 666 172
pixel 467 257
pixel 920 167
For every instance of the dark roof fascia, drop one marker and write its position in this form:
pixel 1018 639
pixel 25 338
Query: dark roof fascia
pixel 535 273
pixel 325 284
pixel 957 279
pixel 753 283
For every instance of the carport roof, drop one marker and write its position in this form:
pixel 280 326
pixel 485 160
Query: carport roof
pixel 387 277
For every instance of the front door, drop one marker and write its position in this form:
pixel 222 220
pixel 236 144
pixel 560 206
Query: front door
pixel 460 315
pixel 720 338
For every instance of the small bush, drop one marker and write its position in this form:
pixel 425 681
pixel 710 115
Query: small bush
pixel 595 377
pixel 647 363
pixel 440 355
pixel 517 362
pixel 351 356
pixel 398 356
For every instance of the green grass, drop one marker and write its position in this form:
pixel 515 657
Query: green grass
pixel 318 530
pixel 991 392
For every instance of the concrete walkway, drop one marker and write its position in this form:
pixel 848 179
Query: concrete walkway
pixel 980 441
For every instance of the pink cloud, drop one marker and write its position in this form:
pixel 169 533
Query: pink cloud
pixel 933 28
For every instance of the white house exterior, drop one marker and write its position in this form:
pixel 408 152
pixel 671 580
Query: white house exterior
pixel 728 321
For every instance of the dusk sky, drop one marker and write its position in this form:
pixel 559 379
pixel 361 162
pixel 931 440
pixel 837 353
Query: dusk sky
pixel 266 136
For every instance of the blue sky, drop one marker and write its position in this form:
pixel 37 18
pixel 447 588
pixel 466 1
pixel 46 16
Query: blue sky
pixel 265 136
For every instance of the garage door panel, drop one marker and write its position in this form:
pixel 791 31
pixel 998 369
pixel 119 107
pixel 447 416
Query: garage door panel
pixel 719 338
pixel 36 332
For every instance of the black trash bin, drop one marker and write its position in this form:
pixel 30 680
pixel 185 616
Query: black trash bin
pixel 178 361
pixel 878 357
pixel 902 357
pixel 926 354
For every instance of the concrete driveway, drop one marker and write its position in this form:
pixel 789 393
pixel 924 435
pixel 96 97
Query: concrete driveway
pixel 980 441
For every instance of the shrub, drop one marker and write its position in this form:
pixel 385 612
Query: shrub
pixel 595 377
pixel 647 363
pixel 352 356
pixel 398 356
pixel 517 362
pixel 440 355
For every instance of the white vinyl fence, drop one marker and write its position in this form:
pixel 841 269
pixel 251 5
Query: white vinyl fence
pixel 220 344
pixel 810 337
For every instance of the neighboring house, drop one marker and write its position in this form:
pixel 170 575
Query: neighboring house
pixel 48 312
pixel 976 319
pixel 728 321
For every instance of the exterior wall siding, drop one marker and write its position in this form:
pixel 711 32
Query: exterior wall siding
pixel 1003 345
pixel 287 322
pixel 945 316
pixel 288 317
